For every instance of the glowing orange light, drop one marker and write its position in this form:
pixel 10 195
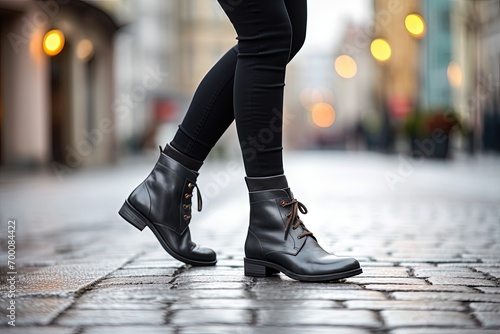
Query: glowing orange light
pixel 323 115
pixel 346 67
pixel 381 50
pixel 415 25
pixel 53 42
pixel 84 50
pixel 455 74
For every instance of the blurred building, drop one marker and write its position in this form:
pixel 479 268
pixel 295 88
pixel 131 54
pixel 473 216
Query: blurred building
pixel 56 110
pixel 178 41
pixel 398 78
pixel 437 53
pixel 474 73
pixel 205 35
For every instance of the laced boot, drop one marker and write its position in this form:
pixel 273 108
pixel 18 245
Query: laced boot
pixel 163 203
pixel 278 241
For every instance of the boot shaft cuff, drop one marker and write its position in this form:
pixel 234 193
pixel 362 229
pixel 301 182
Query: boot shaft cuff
pixel 266 183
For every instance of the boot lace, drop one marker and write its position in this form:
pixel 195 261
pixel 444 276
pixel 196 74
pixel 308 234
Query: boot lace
pixel 188 195
pixel 293 220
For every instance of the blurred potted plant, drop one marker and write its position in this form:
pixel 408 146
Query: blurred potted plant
pixel 429 132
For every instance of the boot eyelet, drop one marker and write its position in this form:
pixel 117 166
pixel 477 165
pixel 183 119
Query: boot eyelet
pixel 283 203
pixel 187 196
pixel 186 206
pixel 187 217
pixel 190 185
pixel 299 237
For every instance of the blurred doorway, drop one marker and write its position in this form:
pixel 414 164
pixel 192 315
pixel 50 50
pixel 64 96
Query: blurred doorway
pixel 1 98
pixel 60 106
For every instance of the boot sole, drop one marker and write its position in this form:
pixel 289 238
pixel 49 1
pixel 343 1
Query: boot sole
pixel 136 219
pixel 258 268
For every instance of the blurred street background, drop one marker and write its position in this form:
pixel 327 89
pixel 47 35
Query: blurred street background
pixel 392 141
pixel 84 83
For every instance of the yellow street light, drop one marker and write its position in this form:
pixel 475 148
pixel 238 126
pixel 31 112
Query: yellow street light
pixel 381 50
pixel 53 42
pixel 415 25
pixel 346 67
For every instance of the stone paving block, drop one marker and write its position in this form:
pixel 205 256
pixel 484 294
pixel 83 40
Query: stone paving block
pixel 158 264
pixel 213 272
pixel 460 281
pixel 210 316
pixel 120 305
pixel 142 272
pixel 384 272
pixel 386 280
pixel 411 287
pixel 436 330
pixel 452 296
pixel 36 311
pixel 233 263
pixel 487 289
pixel 273 284
pixel 488 319
pixel 40 330
pixel 437 272
pixel 400 318
pixel 250 304
pixel 207 294
pixel 404 305
pixel 272 330
pixel 216 329
pixel 318 294
pixel 376 264
pixel 111 317
pixel 212 279
pixel 485 307
pixel 142 280
pixel 163 329
pixel 151 293
pixel 318 317
pixel 434 260
pixel 62 280
pixel 416 265
pixel 210 286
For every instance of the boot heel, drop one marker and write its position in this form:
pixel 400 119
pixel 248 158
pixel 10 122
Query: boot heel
pixel 257 270
pixel 132 216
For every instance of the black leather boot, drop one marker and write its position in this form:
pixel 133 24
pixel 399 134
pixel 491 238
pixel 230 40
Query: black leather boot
pixel 278 241
pixel 162 202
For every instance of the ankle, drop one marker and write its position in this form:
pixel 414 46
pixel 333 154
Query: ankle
pixel 266 183
pixel 182 158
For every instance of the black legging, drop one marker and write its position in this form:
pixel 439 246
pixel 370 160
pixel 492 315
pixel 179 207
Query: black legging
pixel 247 84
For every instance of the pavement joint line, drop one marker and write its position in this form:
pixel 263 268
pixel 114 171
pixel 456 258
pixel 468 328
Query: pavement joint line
pixel 470 312
pixel 88 287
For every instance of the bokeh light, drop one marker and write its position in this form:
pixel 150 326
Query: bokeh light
pixel 415 25
pixel 455 74
pixel 84 50
pixel 346 67
pixel 381 50
pixel 53 42
pixel 323 115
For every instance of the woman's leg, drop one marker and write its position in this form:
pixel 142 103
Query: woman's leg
pixel 277 240
pixel 212 108
pixel 264 43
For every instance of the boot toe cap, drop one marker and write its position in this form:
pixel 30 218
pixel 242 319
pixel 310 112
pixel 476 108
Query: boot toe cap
pixel 204 254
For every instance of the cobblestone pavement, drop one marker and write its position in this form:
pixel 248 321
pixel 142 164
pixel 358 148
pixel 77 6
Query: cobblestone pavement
pixel 427 236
